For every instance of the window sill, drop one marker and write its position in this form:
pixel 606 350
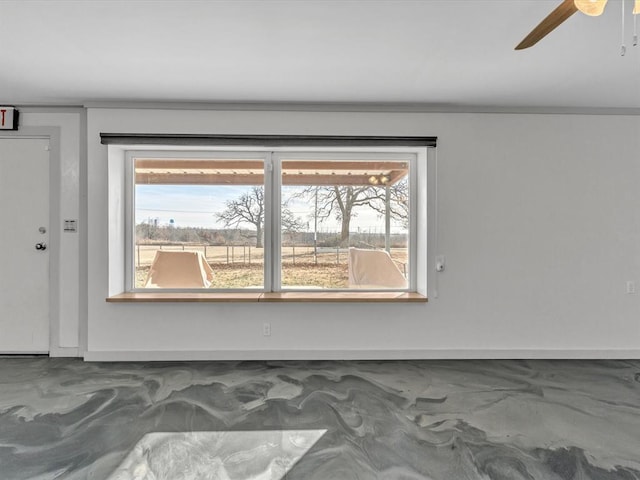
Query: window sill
pixel 337 297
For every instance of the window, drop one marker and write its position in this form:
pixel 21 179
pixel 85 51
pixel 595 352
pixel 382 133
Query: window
pixel 282 223
pixel 271 221
pixel 345 221
pixel 197 221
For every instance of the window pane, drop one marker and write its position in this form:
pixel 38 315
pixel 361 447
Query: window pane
pixel 345 224
pixel 198 223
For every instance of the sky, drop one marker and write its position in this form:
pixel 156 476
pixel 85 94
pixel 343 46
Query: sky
pixel 195 206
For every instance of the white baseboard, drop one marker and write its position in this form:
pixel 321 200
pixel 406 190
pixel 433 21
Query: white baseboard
pixel 64 352
pixel 108 356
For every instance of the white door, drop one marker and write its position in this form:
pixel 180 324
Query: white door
pixel 24 245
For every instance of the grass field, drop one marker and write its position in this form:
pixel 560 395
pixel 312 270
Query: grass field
pixel 242 266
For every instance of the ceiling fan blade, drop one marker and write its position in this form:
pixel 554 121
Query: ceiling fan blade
pixel 546 26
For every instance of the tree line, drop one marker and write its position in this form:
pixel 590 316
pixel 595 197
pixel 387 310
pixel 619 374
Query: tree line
pixel 339 202
pixel 167 235
pixel 243 217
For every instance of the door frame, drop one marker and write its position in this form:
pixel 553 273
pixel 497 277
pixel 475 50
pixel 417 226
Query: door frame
pixel 52 134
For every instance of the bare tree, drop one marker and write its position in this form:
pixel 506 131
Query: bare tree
pixel 341 202
pixel 249 209
pixel 398 202
pixel 290 223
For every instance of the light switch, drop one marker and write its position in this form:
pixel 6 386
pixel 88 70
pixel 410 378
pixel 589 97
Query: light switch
pixel 631 287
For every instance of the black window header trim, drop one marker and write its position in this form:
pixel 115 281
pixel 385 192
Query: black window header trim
pixel 265 140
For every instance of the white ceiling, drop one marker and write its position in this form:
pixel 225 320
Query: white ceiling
pixel 439 53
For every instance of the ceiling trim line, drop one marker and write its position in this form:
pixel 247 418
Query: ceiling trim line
pixel 381 107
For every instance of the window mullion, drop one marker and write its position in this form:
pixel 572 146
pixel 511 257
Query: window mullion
pixel 413 222
pixel 267 224
pixel 275 234
pixel 129 230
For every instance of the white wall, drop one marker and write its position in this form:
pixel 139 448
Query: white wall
pixel 65 318
pixel 538 219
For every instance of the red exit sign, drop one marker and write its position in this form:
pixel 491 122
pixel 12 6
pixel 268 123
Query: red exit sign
pixel 8 118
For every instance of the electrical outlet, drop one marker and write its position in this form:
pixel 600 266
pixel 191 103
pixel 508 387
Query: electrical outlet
pixel 266 329
pixel 631 287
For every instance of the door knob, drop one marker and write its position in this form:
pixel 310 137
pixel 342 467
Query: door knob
pixel 41 246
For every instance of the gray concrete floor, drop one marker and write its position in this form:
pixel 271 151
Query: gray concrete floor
pixel 449 420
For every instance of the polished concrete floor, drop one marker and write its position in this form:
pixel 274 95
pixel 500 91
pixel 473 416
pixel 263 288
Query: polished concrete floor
pixel 449 420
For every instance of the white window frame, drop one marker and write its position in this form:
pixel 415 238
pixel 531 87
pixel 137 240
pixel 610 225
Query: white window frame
pixel 347 155
pixel 272 158
pixel 130 240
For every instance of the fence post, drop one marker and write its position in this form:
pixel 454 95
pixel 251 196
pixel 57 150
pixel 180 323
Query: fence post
pixel 205 252
pixel 227 254
pixel 249 254
pixel 338 254
pixel 244 254
pixel 233 254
